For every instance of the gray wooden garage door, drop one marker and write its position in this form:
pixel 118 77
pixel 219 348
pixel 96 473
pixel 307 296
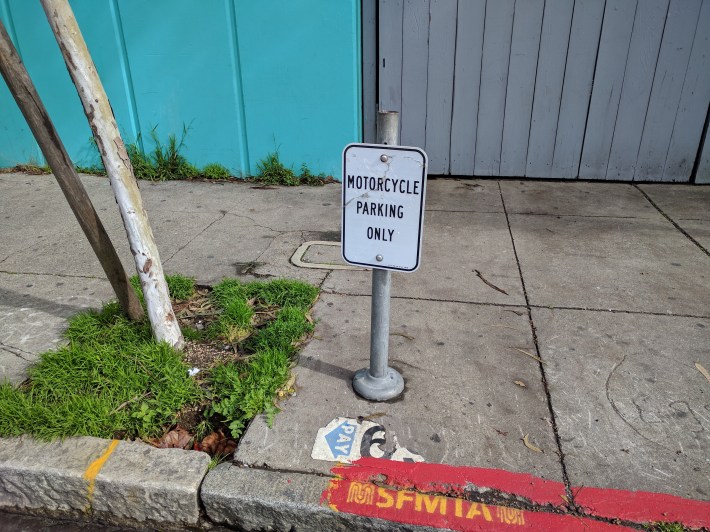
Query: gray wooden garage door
pixel 595 89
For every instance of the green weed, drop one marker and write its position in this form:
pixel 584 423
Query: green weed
pixel 215 171
pixel 179 287
pixel 228 290
pixel 165 162
pixel 93 170
pixel 273 172
pixel 215 461
pixel 283 292
pixel 309 178
pixel 667 527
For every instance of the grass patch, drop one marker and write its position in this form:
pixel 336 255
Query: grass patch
pixel 112 380
pixel 29 168
pixel 215 171
pixel 667 527
pixel 273 172
pixel 165 162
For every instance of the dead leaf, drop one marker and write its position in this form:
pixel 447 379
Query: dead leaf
pixel 521 384
pixel 702 370
pixel 218 444
pixel 530 445
pixel 178 438
pixel 402 335
pixel 527 353
pixel 494 287
pixel 288 388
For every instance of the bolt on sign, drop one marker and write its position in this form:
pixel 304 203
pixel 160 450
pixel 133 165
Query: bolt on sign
pixel 384 188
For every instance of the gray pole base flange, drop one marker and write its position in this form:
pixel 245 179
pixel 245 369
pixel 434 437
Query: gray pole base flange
pixel 374 389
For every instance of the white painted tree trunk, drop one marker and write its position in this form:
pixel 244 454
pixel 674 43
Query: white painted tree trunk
pixel 119 169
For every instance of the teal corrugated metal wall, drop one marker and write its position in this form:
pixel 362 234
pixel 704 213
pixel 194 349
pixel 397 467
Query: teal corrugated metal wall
pixel 248 78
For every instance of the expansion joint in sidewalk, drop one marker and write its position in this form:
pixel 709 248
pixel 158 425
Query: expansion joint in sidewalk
pixel 433 300
pixel 62 275
pixel 548 396
pixel 623 311
pixel 671 220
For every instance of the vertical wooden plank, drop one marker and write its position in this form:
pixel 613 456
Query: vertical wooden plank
pixel 369 70
pixel 606 93
pixel 689 122
pixel 577 88
pixel 638 79
pixel 390 60
pixel 557 20
pixel 440 91
pixel 667 87
pixel 494 79
pixel 467 80
pixel 524 48
pixel 415 56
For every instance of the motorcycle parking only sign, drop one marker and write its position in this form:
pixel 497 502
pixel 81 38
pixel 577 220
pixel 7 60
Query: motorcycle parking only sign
pixel 384 189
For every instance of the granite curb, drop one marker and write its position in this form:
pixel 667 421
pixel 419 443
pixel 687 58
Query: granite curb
pixel 132 484
pixel 110 481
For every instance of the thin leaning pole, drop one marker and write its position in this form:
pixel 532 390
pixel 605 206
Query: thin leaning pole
pixel 32 108
pixel 118 166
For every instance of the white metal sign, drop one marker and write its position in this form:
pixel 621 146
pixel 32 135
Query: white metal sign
pixel 383 206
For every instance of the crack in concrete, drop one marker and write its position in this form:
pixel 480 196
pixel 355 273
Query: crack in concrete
pixel 267 248
pixel 545 384
pixel 616 409
pixel 17 351
pixel 462 211
pixel 220 217
pixel 556 215
pixel 620 311
pixel 671 220
pixel 531 305
pixel 253 221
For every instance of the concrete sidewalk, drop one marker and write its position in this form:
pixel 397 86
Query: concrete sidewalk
pixel 553 330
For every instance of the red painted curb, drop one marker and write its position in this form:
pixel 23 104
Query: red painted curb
pixel 451 481
pixel 414 508
pixel 643 506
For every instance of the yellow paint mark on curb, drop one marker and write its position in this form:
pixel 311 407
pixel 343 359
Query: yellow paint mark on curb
pixel 95 467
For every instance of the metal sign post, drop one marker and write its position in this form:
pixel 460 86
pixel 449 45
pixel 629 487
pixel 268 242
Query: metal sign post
pixel 383 207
